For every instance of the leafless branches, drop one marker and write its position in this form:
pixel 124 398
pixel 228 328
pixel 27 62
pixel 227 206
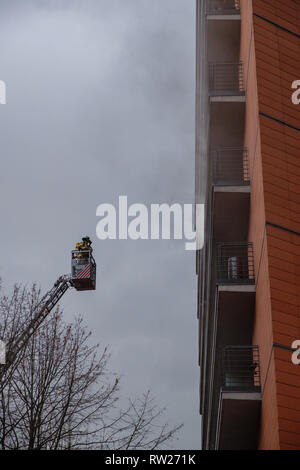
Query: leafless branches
pixel 60 394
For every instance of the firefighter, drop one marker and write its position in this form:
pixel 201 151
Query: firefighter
pixel 85 246
pixel 79 247
pixel 86 242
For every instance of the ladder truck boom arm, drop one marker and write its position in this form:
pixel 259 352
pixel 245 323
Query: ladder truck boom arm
pixel 82 277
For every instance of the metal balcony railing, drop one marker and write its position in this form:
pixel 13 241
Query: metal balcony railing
pixel 226 78
pixel 230 167
pixel 241 368
pixel 222 7
pixel 235 263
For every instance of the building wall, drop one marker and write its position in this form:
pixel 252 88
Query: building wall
pixel 272 62
pixel 284 256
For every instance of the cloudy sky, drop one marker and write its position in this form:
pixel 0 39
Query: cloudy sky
pixel 100 103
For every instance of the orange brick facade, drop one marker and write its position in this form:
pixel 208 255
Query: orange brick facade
pixel 270 51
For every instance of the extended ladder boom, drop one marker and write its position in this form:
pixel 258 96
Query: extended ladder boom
pixel 44 307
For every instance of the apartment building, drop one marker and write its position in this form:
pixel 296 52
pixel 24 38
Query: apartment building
pixel 248 176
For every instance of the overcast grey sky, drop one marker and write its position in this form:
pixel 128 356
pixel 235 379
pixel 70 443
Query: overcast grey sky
pixel 100 103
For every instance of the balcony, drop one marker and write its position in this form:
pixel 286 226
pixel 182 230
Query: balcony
pixel 240 368
pixel 230 193
pixel 226 81
pixel 222 7
pixel 240 399
pixel 230 167
pixel 235 263
pixel 229 160
pixel 235 293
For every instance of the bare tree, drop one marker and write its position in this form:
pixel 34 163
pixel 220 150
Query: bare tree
pixel 60 393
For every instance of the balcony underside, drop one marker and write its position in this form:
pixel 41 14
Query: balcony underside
pixel 238 420
pixel 223 37
pixel 231 212
pixel 235 314
pixel 227 123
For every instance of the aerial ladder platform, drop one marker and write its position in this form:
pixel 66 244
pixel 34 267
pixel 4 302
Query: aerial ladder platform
pixel 82 277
